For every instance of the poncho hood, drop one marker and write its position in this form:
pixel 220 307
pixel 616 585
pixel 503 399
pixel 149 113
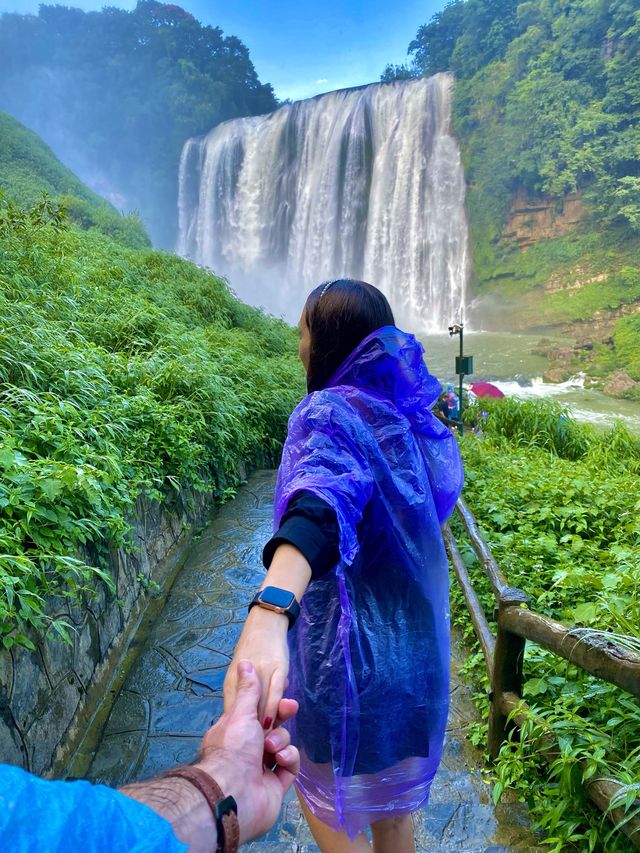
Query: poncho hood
pixel 390 364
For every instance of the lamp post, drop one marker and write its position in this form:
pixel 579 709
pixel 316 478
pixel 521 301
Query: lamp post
pixel 464 363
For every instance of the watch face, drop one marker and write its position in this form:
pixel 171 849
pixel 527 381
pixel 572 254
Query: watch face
pixel 276 597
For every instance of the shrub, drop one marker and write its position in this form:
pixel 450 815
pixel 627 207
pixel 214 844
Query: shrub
pixel 122 372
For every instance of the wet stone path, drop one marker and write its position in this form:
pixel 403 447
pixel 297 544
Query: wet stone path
pixel 174 691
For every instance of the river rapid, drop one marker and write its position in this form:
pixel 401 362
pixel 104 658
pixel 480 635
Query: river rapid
pixel 508 361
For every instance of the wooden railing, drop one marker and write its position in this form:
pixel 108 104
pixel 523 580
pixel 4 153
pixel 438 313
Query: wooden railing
pixel 503 652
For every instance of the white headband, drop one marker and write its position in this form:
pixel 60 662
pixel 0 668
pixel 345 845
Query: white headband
pixel 325 288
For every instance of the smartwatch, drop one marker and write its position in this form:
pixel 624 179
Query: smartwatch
pixel 278 600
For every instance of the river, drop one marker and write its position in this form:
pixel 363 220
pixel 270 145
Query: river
pixel 507 360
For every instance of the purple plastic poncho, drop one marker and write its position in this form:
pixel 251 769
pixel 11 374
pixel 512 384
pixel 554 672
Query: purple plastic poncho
pixel 370 651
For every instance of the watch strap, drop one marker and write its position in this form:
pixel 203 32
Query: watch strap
pixel 224 809
pixel 227 816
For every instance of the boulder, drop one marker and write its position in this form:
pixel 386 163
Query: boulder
pixel 557 374
pixel 620 384
pixel 561 355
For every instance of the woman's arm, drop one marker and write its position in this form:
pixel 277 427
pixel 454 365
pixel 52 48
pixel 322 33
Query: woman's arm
pixel 264 637
pixel 324 457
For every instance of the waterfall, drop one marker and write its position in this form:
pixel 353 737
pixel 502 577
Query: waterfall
pixel 361 183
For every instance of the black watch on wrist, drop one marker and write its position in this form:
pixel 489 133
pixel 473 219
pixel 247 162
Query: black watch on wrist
pixel 278 600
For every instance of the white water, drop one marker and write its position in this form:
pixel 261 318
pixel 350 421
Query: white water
pixel 508 361
pixel 364 183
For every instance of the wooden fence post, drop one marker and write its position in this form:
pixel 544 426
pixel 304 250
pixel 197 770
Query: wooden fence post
pixel 507 669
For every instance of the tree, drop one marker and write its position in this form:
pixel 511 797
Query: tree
pixel 398 72
pixel 489 27
pixel 547 99
pixel 434 42
pixel 117 93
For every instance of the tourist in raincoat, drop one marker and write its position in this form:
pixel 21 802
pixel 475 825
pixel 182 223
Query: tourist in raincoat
pixel 354 613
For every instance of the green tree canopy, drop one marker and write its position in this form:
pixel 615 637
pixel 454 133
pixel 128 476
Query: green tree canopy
pixel 548 98
pixel 116 94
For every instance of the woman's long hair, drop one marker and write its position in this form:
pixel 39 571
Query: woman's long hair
pixel 340 315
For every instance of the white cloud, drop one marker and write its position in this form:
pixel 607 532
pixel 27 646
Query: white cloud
pixel 322 81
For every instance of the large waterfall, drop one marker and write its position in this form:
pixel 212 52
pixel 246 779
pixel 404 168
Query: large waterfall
pixel 361 183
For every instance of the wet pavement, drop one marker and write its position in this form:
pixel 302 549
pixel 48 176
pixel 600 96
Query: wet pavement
pixel 174 690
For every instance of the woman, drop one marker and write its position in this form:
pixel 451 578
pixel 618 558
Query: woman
pixel 368 475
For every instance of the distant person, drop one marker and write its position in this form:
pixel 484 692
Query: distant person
pixel 357 569
pixel 170 812
pixel 441 409
pixel 453 403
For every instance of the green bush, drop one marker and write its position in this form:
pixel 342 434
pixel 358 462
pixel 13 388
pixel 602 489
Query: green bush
pixel 538 423
pixel 122 373
pixel 127 230
pixel 558 504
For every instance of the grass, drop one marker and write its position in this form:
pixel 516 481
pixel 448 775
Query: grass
pixel 558 505
pixel 122 372
pixel 28 168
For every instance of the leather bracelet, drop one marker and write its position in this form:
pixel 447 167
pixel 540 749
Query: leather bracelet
pixel 224 809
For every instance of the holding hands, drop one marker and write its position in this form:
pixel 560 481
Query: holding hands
pixel 256 770
pixel 235 751
pixel 264 643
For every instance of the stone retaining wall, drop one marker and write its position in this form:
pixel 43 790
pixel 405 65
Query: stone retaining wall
pixel 42 691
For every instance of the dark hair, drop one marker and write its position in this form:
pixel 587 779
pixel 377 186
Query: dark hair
pixel 340 315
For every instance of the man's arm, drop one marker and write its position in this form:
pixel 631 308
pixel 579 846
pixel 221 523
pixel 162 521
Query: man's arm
pixel 183 806
pixel 232 753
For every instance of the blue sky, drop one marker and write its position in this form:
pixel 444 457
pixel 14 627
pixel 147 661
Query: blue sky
pixel 303 47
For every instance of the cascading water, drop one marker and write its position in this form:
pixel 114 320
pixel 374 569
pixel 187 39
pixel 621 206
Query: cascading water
pixel 361 183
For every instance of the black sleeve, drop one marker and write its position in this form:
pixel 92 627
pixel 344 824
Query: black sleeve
pixel 309 524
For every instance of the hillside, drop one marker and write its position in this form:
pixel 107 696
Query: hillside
pixel 123 371
pixel 28 168
pixel 547 110
pixel 116 93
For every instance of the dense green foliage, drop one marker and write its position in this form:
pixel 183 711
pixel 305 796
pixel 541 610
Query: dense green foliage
pixel 626 337
pixel 28 168
pixel 117 93
pixel 558 503
pixel 546 106
pixel 547 100
pixel 122 372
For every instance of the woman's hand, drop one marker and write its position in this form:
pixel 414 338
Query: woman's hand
pixel 263 642
pixel 264 637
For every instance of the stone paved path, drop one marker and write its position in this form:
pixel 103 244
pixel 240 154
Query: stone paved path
pixel 173 692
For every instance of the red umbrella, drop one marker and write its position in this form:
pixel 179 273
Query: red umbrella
pixel 486 389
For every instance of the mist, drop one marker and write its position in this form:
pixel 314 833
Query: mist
pixel 116 93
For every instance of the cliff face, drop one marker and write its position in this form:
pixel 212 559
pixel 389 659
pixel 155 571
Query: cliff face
pixel 531 220
pixel 550 270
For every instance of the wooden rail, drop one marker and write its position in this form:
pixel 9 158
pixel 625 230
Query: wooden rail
pixel 504 655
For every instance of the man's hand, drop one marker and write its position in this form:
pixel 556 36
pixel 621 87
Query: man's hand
pixel 234 750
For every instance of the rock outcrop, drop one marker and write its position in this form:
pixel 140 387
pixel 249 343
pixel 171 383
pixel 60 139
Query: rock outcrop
pixel 620 384
pixel 534 219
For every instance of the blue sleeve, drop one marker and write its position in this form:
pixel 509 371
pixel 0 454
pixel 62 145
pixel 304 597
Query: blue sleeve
pixel 40 816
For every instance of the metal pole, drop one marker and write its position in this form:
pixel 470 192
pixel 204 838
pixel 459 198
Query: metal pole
pixel 461 375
